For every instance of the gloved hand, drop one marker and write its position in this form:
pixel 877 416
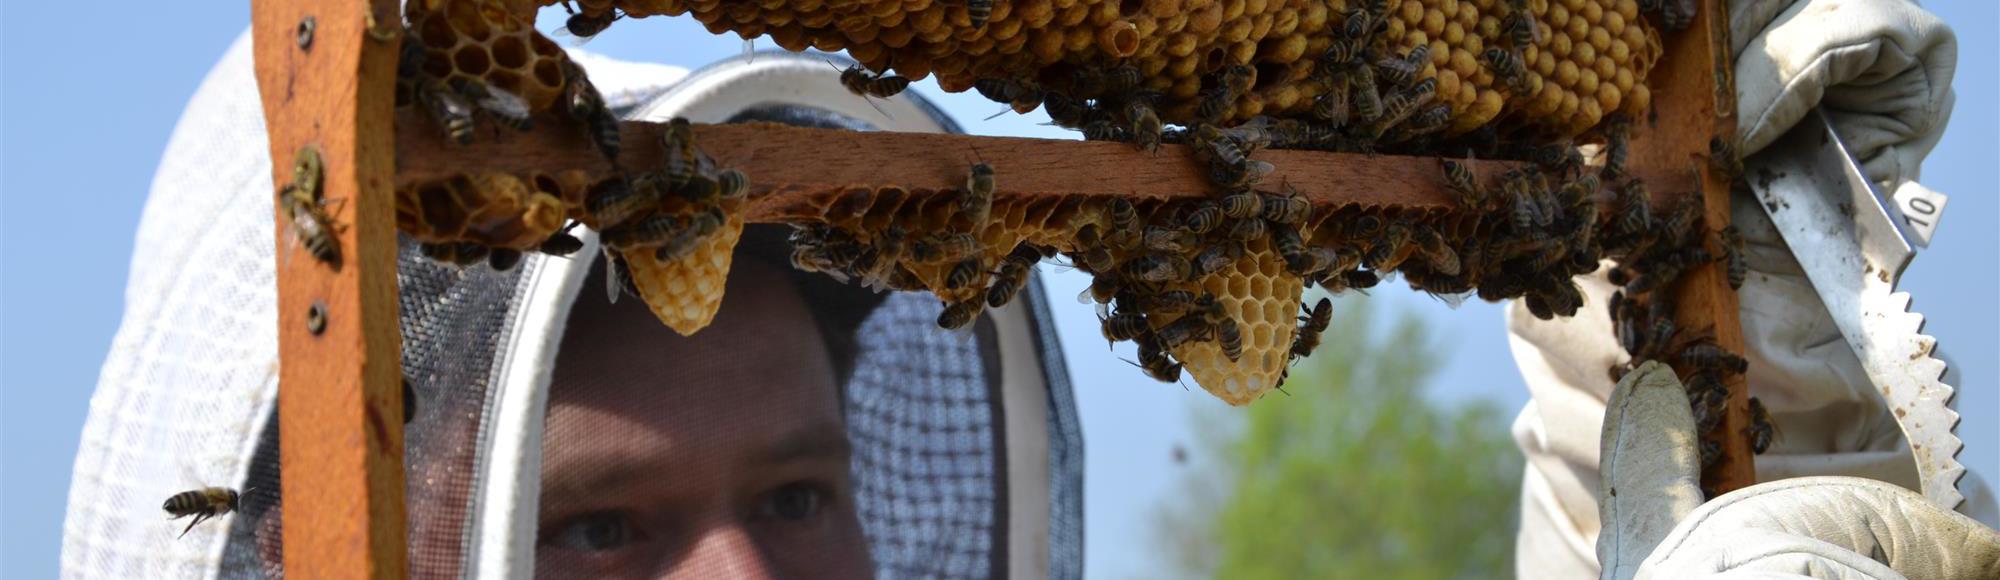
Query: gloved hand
pixel 1883 70
pixel 1818 527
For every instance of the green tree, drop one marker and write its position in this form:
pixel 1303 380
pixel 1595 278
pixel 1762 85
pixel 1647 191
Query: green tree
pixel 1353 475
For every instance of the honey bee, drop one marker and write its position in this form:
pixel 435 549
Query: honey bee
pixel 1291 209
pixel 867 84
pixel 944 247
pixel 1169 303
pixel 450 110
pixel 1155 268
pixel 1400 104
pixel 1168 239
pixel 1292 247
pixel 1012 275
pixel 734 183
pixel 978 11
pixel 561 243
pixel 204 503
pixel 1146 125
pixel 1229 337
pixel 1520 29
pixel 312 224
pixel 1731 241
pixel 965 273
pixel 1119 80
pixel 1722 156
pixel 583 26
pixel 1506 66
pixel 1390 249
pixel 1202 218
pixel 1064 110
pixel 1214 258
pixel 1634 208
pixel 1124 217
pixel 503 259
pixel 504 107
pixel 1762 430
pixel 1156 363
pixel 1402 70
pixel 1241 176
pixel 1104 130
pixel 1238 79
pixel 1002 90
pixel 1091 252
pixel 1245 230
pixel 1341 55
pixel 1214 103
pixel 978 200
pixel 1709 400
pixel 1242 205
pixel 1709 453
pixel 1350 280
pixel 1708 355
pixel 1618 144
pixel 1357 25
pixel 958 314
pixel 1124 326
pixel 1312 325
pixel 613 201
pixel 1103 288
pixel 1437 253
pixel 454 253
pixel 695 229
pixel 1332 106
pixel 647 231
pixel 583 103
pixel 900 278
pixel 1183 330
pixel 1465 184
pixel 1426 121
pixel 1366 97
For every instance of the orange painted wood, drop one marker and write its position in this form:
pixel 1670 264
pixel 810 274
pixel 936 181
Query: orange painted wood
pixel 340 397
pixel 796 170
pixel 1694 100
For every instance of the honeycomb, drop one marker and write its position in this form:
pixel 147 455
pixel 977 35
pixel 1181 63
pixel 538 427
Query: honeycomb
pixel 482 40
pixel 1264 301
pixel 1583 59
pixel 496 210
pixel 685 292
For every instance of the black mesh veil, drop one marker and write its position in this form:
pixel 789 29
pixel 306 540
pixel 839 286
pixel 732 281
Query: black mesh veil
pixel 922 409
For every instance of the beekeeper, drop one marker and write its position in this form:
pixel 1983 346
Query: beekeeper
pixel 1883 70
pixel 815 429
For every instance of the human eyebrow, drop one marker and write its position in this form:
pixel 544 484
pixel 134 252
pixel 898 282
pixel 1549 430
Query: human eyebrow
pixel 823 441
pixel 595 476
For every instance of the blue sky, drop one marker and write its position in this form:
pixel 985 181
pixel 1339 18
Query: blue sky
pixel 87 112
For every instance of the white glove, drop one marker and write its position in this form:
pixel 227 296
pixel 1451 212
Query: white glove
pixel 1883 70
pixel 1816 527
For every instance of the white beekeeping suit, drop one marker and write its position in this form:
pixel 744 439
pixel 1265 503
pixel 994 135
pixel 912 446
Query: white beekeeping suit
pixel 1882 69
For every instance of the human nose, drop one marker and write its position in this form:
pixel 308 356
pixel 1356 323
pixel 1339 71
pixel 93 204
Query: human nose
pixel 726 551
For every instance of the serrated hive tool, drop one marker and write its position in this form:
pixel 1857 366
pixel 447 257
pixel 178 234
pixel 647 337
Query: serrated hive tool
pixel 1853 246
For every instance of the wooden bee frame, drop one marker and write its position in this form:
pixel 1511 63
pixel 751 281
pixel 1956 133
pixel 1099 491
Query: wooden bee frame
pixel 327 76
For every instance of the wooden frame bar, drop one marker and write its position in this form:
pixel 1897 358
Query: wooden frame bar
pixel 1694 99
pixel 328 85
pixel 796 170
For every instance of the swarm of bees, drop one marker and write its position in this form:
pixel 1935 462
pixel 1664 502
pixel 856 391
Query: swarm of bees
pixel 1499 79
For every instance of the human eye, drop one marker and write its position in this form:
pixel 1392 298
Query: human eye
pixel 599 531
pixel 796 501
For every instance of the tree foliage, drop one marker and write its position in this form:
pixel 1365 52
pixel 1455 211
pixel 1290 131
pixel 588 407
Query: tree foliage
pixel 1355 474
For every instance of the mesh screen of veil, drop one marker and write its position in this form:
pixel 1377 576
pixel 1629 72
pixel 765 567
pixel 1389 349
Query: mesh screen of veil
pixel 915 404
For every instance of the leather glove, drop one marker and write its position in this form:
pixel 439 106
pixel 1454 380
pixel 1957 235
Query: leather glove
pixel 1810 527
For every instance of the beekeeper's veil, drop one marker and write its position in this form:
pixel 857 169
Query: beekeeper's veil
pixel 966 452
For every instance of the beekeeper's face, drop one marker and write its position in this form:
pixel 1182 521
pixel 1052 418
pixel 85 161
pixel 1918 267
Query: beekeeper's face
pixel 720 455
